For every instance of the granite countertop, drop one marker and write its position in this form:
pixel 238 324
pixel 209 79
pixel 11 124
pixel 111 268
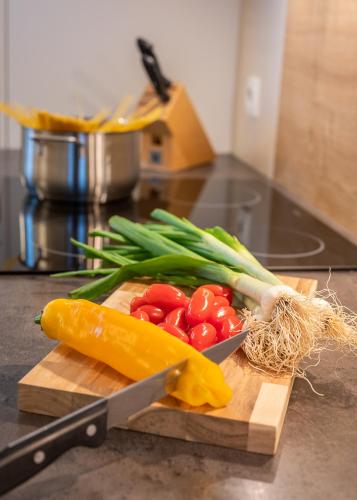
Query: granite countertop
pixel 316 457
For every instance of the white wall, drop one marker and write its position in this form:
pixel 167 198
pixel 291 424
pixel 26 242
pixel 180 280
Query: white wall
pixel 2 68
pixel 260 53
pixel 72 54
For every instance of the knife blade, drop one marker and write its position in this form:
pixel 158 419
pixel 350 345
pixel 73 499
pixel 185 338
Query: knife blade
pixel 88 426
pixel 222 350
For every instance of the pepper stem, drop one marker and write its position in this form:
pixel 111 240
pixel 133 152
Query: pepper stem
pixel 37 319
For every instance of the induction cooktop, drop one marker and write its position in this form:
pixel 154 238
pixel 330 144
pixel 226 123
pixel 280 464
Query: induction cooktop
pixel 35 235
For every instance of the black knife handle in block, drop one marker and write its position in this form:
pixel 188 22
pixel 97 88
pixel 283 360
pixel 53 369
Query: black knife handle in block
pixel 155 78
pixel 147 51
pixel 29 455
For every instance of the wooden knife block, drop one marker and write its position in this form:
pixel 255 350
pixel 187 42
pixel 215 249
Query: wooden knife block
pixel 177 140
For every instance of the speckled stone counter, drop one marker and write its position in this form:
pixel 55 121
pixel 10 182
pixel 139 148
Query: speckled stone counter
pixel 316 459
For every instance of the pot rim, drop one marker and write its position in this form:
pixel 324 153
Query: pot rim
pixel 62 132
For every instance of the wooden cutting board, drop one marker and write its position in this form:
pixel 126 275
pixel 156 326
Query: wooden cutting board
pixel 66 380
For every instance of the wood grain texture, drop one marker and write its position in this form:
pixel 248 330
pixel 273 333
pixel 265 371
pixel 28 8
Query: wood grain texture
pixel 66 380
pixel 183 140
pixel 316 147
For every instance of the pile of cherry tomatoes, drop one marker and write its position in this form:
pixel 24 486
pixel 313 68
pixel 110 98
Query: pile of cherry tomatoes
pixel 205 318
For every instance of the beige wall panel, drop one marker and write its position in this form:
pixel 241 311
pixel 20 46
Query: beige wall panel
pixel 317 137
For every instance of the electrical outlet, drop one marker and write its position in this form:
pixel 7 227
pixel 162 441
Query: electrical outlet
pixel 252 96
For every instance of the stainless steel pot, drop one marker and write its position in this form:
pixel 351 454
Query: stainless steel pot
pixel 80 167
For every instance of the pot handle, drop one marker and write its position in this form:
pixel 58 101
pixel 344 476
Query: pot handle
pixel 55 138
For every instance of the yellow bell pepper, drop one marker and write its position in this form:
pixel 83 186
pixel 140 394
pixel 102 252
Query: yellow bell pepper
pixel 133 347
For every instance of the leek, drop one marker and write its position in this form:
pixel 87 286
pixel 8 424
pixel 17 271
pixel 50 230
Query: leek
pixel 171 232
pixel 154 243
pixel 101 254
pixel 108 234
pixel 174 279
pixel 218 250
pixel 90 273
pixel 167 264
pixel 122 249
pixel 233 242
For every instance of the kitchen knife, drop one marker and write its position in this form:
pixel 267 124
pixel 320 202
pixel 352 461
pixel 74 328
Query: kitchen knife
pixel 153 70
pixel 147 48
pixel 88 426
pixel 155 78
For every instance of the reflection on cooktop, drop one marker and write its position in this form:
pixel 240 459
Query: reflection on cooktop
pixel 35 235
pixel 220 194
pixel 292 244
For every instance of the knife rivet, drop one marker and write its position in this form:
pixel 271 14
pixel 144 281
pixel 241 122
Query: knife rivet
pixel 91 430
pixel 39 457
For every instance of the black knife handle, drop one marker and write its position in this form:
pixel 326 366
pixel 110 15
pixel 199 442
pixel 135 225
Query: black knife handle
pixel 147 52
pixel 155 78
pixel 27 456
pixel 146 48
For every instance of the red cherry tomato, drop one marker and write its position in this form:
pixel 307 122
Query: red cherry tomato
pixel 202 336
pixel 220 291
pixel 228 294
pixel 177 317
pixel 220 301
pixel 175 331
pixel 156 315
pixel 218 314
pixel 199 307
pixel 230 327
pixel 165 297
pixel 140 315
pixel 136 302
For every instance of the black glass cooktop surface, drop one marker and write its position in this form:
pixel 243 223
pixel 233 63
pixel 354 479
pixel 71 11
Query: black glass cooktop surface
pixel 35 235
